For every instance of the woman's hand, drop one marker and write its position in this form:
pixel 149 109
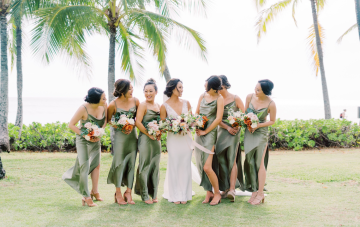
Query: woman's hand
pixel 94 140
pixel 233 131
pixel 151 137
pixel 200 132
pixel 252 130
pixel 126 132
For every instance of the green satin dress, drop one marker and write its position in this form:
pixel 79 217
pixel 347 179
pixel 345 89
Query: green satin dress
pixel 122 170
pixel 207 141
pixel 227 148
pixel 255 144
pixel 88 158
pixel 148 175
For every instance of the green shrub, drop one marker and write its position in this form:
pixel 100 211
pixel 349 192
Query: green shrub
pixel 284 134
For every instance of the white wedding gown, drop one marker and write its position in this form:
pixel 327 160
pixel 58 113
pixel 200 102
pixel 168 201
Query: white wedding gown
pixel 180 170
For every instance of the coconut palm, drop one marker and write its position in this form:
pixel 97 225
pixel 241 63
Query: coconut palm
pixel 63 29
pixel 356 25
pixel 4 99
pixel 314 39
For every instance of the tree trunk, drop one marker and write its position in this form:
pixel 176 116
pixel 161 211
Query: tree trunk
pixel 4 99
pixel 357 8
pixel 321 61
pixel 2 171
pixel 19 114
pixel 111 79
pixel 167 74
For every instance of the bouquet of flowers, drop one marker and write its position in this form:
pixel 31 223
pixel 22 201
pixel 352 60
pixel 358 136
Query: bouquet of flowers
pixel 200 121
pixel 153 128
pixel 235 118
pixel 91 131
pixel 124 122
pixel 177 125
pixel 251 120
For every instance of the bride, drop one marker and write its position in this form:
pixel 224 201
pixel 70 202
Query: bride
pixel 178 179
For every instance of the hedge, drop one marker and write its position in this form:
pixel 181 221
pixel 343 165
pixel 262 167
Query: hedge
pixel 284 134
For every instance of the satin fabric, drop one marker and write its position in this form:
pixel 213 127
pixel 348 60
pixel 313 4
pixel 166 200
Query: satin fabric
pixel 207 141
pixel 148 175
pixel 227 149
pixel 88 158
pixel 122 170
pixel 255 144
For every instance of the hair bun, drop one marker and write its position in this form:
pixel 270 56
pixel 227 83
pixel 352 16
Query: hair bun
pixel 151 80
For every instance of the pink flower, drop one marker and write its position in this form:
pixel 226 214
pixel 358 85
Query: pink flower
pixel 88 125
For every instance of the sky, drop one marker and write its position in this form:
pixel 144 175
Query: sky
pixel 232 50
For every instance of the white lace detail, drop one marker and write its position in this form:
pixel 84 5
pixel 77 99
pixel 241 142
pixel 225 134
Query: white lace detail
pixel 171 112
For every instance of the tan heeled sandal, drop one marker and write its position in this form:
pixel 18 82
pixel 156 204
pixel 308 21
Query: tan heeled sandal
pixel 231 195
pixel 259 199
pixel 213 203
pixel 119 200
pixel 96 195
pixel 88 202
pixel 148 201
pixel 128 198
pixel 155 200
pixel 224 194
pixel 252 197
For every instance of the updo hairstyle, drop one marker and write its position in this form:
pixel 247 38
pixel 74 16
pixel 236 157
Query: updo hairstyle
pixel 225 82
pixel 214 82
pixel 151 81
pixel 94 95
pixel 170 86
pixel 266 86
pixel 122 86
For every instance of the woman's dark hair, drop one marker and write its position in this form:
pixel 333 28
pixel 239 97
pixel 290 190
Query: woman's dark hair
pixel 94 95
pixel 214 82
pixel 122 86
pixel 170 86
pixel 266 86
pixel 225 82
pixel 151 81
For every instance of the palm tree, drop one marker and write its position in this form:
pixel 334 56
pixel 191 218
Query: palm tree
pixel 315 38
pixel 356 25
pixel 62 28
pixel 4 99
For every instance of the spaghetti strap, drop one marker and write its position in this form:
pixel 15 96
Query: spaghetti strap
pixel 135 102
pixel 269 104
pixel 104 112
pixel 86 110
pixel 115 104
pixel 204 95
pixel 234 98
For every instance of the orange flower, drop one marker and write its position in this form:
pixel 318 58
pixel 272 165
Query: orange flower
pixel 127 127
pixel 91 132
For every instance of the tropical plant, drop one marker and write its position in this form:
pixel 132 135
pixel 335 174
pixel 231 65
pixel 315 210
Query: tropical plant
pixel 314 39
pixel 356 25
pixel 63 28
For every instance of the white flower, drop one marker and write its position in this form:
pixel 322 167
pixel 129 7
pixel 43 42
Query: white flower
pixel 232 121
pixel 122 116
pixel 102 131
pixel 87 138
pixel 237 114
pixel 254 125
pixel 96 132
pixel 131 121
pixel 94 127
pixel 87 125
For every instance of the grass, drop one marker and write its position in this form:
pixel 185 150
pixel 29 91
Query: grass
pixel 311 188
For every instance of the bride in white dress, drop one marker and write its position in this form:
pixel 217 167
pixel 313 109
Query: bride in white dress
pixel 178 179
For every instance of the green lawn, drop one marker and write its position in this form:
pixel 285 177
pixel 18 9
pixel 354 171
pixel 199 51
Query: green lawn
pixel 311 188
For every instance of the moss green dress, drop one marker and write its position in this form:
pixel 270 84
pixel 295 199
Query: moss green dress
pixel 122 170
pixel 148 175
pixel 227 148
pixel 88 158
pixel 207 141
pixel 255 144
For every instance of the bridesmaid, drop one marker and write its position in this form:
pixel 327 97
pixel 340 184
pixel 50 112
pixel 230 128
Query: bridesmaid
pixel 228 146
pixel 88 152
pixel 125 144
pixel 256 140
pixel 147 175
pixel 211 104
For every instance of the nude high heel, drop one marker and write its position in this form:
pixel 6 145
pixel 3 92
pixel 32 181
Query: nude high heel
pixel 231 195
pixel 96 195
pixel 88 202
pixel 128 198
pixel 259 199
pixel 118 200
pixel 252 197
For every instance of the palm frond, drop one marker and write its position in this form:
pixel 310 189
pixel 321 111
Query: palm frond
pixel 131 54
pixel 347 32
pixel 320 5
pixel 311 42
pixel 294 10
pixel 260 3
pixel 268 15
pixel 62 29
pixel 197 6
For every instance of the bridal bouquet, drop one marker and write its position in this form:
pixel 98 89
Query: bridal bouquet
pixel 124 122
pixel 235 118
pixel 177 125
pixel 251 120
pixel 91 131
pixel 153 128
pixel 200 121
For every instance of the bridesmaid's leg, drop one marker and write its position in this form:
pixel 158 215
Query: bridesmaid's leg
pixel 128 196
pixel 233 176
pixel 95 174
pixel 212 177
pixel 261 178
